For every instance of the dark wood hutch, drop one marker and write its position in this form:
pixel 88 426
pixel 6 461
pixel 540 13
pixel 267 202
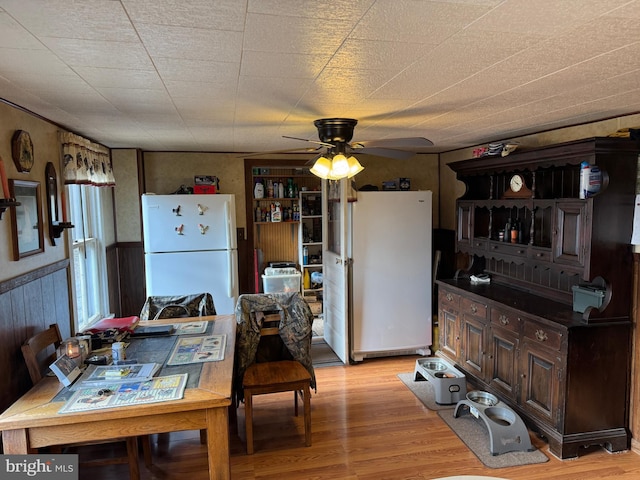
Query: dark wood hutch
pixel 566 373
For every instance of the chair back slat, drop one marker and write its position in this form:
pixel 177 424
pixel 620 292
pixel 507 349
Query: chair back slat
pixel 32 348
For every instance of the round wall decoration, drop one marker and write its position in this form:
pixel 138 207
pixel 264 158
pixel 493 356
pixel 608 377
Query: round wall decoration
pixel 22 150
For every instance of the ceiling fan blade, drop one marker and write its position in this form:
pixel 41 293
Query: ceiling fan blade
pixel 291 150
pixel 384 152
pixel 408 143
pixel 330 145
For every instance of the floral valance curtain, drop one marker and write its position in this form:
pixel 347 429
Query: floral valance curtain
pixel 85 162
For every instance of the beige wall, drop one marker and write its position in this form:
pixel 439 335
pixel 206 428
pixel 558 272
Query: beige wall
pixel 45 149
pixel 127 197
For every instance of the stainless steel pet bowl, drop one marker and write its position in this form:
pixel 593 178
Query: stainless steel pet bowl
pixel 483 398
pixel 436 366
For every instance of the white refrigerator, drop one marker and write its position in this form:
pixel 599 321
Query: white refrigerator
pixel 190 246
pixel 391 284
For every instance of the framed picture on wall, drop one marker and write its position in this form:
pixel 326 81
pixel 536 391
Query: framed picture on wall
pixel 27 219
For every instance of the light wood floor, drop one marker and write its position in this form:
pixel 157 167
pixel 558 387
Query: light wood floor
pixel 366 425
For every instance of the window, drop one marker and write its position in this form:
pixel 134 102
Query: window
pixel 88 254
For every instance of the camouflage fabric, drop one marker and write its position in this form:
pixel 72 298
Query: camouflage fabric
pixel 178 306
pixel 295 330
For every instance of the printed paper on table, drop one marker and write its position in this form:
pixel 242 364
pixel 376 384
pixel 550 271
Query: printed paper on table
pixel 100 374
pixel 190 328
pixel 198 350
pixel 159 389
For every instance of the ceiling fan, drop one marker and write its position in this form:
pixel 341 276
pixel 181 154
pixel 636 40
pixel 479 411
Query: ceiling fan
pixel 336 135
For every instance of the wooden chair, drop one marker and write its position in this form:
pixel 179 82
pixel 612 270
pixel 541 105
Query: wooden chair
pixel 274 372
pixel 39 352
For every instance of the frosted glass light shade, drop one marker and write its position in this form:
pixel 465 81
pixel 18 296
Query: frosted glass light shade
pixel 354 166
pixel 339 166
pixel 322 168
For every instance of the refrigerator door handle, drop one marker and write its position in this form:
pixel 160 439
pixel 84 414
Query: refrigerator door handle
pixel 230 233
pixel 232 274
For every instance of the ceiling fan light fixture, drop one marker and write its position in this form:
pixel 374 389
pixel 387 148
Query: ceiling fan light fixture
pixel 322 168
pixel 354 166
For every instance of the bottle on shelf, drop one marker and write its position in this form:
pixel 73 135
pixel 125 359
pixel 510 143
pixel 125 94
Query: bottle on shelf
pixel 290 192
pixel 280 189
pixel 270 188
pixel 258 189
pixel 514 231
pixel 507 231
pixel 305 255
pixel 306 282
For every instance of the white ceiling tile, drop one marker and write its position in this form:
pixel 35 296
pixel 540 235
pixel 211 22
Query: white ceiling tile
pixel 191 43
pixel 216 14
pixel 88 19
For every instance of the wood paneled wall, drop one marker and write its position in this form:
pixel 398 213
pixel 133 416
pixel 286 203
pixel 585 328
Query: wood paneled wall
pixel 29 303
pixel 127 279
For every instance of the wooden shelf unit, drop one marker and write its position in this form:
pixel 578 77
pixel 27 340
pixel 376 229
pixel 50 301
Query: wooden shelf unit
pixel 565 372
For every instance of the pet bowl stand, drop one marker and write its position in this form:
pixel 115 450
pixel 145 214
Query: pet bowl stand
pixel 449 384
pixel 507 431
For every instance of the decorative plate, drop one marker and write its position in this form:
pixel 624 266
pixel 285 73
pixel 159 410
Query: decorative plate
pixel 22 150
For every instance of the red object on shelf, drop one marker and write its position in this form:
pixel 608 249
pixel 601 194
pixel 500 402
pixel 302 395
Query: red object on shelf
pixel 206 189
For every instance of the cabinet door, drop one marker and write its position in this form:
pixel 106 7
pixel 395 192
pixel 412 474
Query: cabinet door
pixel 541 383
pixel 502 361
pixel 472 345
pixel 449 334
pixel 570 242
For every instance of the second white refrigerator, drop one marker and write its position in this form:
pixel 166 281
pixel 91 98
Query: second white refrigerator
pixel 190 247
pixel 391 285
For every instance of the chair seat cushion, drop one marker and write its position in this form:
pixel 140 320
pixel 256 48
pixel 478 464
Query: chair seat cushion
pixel 275 373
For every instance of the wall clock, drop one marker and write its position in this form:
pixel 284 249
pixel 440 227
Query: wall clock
pixel 22 150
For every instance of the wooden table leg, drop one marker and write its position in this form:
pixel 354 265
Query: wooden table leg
pixel 132 451
pixel 218 443
pixel 14 442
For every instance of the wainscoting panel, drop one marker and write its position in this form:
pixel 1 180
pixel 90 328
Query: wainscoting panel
pixel 29 304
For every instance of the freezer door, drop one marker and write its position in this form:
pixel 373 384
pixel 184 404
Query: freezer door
pixel 391 247
pixel 215 272
pixel 186 223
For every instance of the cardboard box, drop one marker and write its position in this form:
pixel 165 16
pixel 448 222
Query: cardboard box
pixel 207 189
pixel 205 180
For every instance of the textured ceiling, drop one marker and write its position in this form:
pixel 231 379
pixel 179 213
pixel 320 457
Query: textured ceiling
pixel 236 75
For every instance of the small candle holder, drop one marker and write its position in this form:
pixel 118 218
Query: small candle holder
pixel 6 203
pixel 72 349
pixel 56 229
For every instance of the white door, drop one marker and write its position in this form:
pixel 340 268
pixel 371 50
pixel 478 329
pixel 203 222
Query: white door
pixel 335 265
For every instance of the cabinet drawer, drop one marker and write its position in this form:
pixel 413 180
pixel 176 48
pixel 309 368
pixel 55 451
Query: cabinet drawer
pixel 472 307
pixel 515 249
pixel 543 335
pixel 541 255
pixel 506 319
pixel 479 244
pixel 448 300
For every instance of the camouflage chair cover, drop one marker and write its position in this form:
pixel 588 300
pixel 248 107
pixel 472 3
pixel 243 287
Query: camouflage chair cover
pixel 177 306
pixel 295 325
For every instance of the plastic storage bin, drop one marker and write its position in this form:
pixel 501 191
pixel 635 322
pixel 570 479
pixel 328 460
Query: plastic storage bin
pixel 289 282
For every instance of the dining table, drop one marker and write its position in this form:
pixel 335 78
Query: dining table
pixel 34 421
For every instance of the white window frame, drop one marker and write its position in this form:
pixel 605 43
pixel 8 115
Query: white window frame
pixel 89 283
